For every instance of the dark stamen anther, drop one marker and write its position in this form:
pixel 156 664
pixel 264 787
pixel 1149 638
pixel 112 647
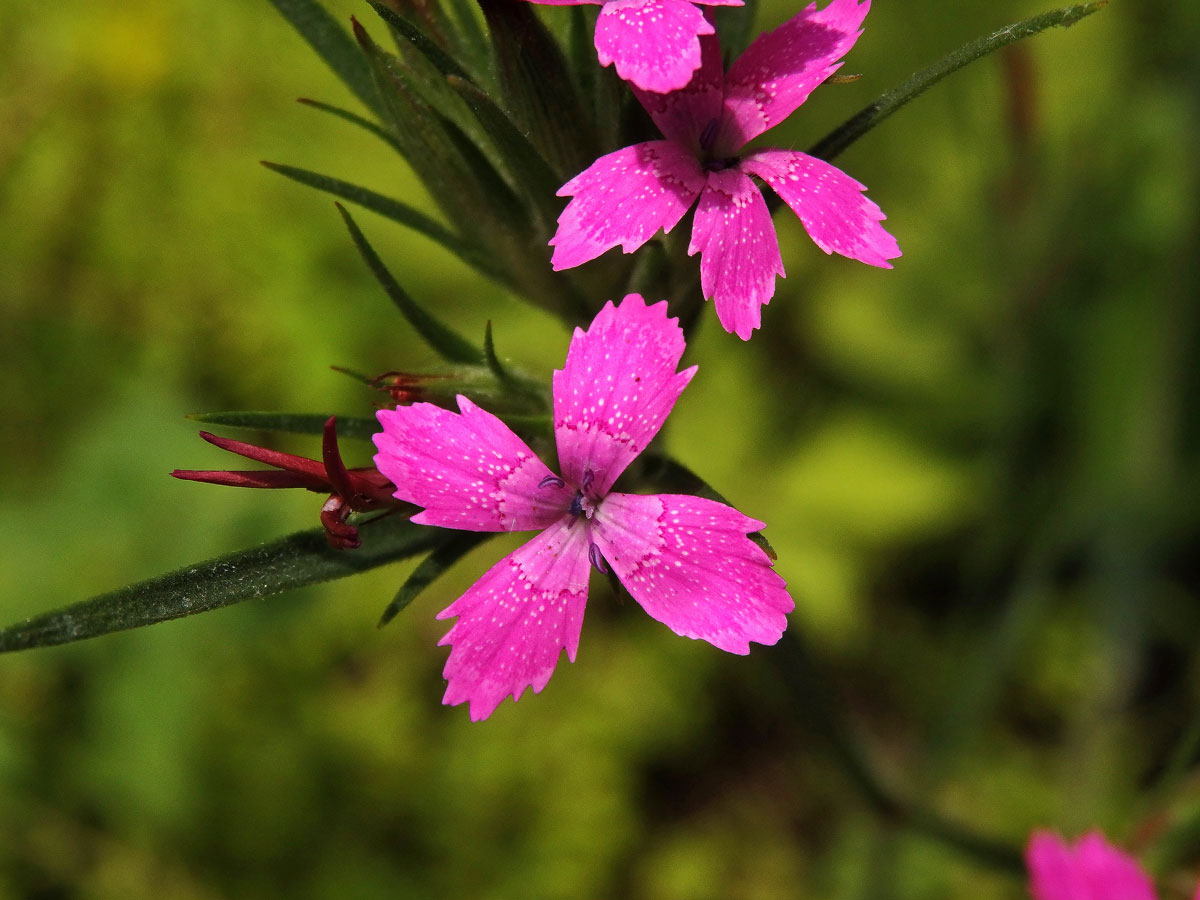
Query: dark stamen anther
pixel 597 559
pixel 552 481
pixel 576 507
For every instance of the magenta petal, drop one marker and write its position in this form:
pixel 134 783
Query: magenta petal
pixel 1091 870
pixel 624 198
pixel 516 619
pixel 779 70
pixel 616 389
pixel 739 253
pixel 688 562
pixel 654 43
pixel 469 471
pixel 685 114
pixel 831 204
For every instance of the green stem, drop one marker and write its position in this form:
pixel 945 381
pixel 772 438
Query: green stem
pixel 856 126
pixel 813 698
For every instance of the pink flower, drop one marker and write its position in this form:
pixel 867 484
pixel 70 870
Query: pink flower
pixel 655 43
pixel 625 197
pixel 686 560
pixel 1091 870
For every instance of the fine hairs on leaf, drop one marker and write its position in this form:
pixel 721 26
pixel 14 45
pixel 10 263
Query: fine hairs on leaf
pixel 445 63
pixel 295 561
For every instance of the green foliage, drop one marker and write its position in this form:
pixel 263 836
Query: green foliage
pixel 295 561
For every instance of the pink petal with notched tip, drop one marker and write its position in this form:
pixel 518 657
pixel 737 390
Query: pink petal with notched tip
pixel 829 203
pixel 516 619
pixel 739 252
pixel 616 389
pixel 683 115
pixel 688 562
pixel 469 471
pixel 624 198
pixel 654 43
pixel 779 70
pixel 1091 870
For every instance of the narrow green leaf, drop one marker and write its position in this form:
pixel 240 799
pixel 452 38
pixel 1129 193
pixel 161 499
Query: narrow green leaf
pixel 427 81
pixel 436 158
pixel 441 338
pixel 493 361
pixel 536 179
pixel 453 548
pixel 333 45
pixel 859 124
pixel 445 63
pixel 537 85
pixel 295 561
pixel 355 119
pixel 392 209
pixel 290 423
pixel 476 42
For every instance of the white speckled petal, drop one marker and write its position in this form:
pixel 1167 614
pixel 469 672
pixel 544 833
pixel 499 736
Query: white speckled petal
pixel 616 389
pixel 469 471
pixel 688 562
pixel 831 204
pixel 514 621
pixel 683 115
pixel 739 252
pixel 623 198
pixel 654 43
pixel 779 70
pixel 1091 870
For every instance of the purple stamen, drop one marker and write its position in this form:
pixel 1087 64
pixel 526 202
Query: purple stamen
pixel 576 507
pixel 588 477
pixel 552 481
pixel 597 559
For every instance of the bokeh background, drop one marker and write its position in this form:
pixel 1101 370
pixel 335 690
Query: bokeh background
pixel 979 471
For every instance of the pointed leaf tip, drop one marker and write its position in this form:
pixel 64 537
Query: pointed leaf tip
pixel 295 561
pixel 328 38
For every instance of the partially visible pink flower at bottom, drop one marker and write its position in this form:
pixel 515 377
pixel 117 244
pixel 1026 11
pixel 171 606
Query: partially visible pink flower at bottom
pixel 1092 869
pixel 686 560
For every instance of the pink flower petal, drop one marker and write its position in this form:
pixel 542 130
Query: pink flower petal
pixel 829 202
pixel 614 392
pixel 780 69
pixel 624 198
pixel 684 115
pixel 469 471
pixel 654 43
pixel 515 620
pixel 735 237
pixel 688 562
pixel 1091 870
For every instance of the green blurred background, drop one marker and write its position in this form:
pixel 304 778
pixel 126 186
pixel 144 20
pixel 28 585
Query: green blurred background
pixel 979 471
